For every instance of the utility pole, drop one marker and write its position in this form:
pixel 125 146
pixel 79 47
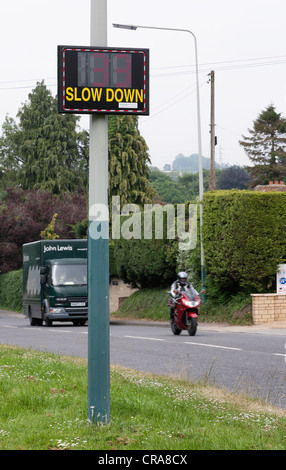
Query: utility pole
pixel 98 246
pixel 212 180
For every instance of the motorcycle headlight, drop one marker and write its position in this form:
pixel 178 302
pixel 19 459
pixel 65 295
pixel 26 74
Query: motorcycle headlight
pixel 190 303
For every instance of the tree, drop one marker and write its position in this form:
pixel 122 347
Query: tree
pixel 42 151
pixel 49 232
pixel 24 214
pixel 128 173
pixel 234 177
pixel 266 147
pixel 180 189
pixel 128 158
pixel 10 161
pixel 167 188
pixel 46 151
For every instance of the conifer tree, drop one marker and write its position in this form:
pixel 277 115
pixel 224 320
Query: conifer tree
pixel 43 148
pixel 266 147
pixel 45 151
pixel 128 159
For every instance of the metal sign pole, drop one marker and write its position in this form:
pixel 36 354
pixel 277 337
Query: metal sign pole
pixel 98 247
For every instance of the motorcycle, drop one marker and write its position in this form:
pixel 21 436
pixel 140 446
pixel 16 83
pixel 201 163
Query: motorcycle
pixel 186 312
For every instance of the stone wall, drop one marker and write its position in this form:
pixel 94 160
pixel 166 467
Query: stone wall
pixel 118 291
pixel 268 308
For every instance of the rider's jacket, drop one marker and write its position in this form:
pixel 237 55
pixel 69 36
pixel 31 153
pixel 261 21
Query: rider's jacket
pixel 176 288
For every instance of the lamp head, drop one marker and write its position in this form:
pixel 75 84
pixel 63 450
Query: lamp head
pixel 124 26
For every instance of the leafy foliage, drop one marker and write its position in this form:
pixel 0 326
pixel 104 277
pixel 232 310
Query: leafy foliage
pixel 244 238
pixel 44 150
pixel 46 156
pixel 128 158
pixel 49 232
pixel 11 290
pixel 233 177
pixel 24 214
pixel 179 189
pixel 146 262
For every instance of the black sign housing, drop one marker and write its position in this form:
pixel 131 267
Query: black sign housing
pixel 103 80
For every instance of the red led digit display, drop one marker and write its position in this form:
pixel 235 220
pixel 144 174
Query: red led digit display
pixel 104 70
pixel 95 80
pixel 97 71
pixel 122 70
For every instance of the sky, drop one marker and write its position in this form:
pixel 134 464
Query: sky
pixel 242 41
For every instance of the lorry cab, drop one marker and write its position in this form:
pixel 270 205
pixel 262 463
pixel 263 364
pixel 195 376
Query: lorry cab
pixel 55 281
pixel 65 290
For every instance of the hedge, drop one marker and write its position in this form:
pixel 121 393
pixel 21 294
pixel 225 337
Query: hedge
pixel 146 263
pixel 244 238
pixel 11 290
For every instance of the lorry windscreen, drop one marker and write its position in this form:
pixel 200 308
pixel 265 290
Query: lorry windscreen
pixel 69 275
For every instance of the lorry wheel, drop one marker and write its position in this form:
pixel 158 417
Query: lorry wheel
pixel 79 322
pixel 48 322
pixel 33 321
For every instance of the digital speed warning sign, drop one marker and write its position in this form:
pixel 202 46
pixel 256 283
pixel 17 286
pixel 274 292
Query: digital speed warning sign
pixel 103 80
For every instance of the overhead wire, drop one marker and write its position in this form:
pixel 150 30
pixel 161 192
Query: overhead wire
pixel 203 67
pixel 189 91
pixel 238 63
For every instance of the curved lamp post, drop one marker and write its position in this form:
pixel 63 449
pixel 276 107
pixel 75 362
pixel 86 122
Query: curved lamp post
pixel 201 190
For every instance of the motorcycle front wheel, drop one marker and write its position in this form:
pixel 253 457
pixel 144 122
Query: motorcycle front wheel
pixel 175 329
pixel 192 326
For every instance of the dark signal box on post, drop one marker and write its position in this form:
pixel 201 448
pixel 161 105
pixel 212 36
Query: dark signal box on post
pixel 103 80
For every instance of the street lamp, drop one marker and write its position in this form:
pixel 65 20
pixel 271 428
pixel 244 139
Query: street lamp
pixel 201 190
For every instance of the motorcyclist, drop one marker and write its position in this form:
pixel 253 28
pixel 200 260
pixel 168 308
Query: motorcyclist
pixel 179 285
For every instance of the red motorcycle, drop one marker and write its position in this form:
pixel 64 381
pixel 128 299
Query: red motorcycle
pixel 186 312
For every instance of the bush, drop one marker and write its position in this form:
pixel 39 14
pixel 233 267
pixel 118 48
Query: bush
pixel 24 214
pixel 146 263
pixel 244 238
pixel 143 262
pixel 11 290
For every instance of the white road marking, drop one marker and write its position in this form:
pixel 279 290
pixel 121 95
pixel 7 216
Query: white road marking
pixel 212 346
pixel 144 337
pixel 51 330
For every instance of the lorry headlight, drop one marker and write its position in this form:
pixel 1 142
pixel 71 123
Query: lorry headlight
pixel 56 310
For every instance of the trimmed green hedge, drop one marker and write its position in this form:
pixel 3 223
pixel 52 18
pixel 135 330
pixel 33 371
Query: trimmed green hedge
pixel 244 238
pixel 146 263
pixel 11 290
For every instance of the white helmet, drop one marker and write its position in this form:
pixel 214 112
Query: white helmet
pixel 182 278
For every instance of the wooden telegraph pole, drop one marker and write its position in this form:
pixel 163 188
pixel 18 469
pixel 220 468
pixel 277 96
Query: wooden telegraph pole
pixel 212 180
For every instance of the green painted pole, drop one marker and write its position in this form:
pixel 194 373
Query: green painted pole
pixel 98 247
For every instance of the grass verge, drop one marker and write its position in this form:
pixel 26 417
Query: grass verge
pixel 44 407
pixel 152 304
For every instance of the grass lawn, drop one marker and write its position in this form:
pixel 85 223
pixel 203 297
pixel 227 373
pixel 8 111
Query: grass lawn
pixel 44 406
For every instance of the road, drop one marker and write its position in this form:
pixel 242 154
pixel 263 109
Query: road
pixel 242 359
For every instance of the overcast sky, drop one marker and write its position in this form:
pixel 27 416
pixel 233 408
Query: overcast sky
pixel 243 41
